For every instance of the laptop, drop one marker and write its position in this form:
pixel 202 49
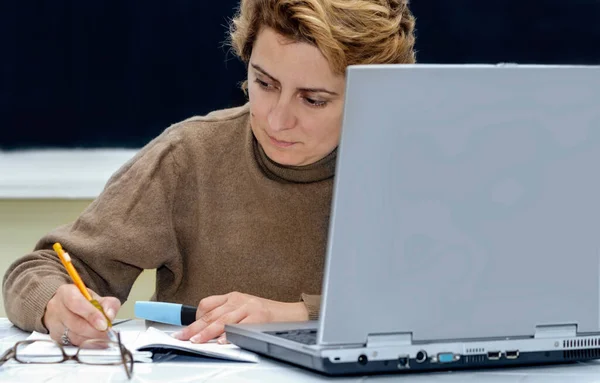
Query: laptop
pixel 465 224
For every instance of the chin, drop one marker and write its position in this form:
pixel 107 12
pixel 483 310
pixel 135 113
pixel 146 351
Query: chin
pixel 287 159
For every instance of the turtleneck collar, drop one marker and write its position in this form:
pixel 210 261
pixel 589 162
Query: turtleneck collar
pixel 318 171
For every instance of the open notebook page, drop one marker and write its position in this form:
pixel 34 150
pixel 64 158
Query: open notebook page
pixel 154 338
pixel 140 343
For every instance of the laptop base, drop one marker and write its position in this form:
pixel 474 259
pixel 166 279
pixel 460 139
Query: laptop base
pixel 363 366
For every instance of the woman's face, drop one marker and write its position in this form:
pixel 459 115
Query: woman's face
pixel 296 101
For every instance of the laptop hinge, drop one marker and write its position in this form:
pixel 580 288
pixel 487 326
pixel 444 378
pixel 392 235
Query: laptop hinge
pixel 385 340
pixel 556 331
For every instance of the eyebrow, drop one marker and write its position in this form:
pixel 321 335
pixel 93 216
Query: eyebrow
pixel 308 90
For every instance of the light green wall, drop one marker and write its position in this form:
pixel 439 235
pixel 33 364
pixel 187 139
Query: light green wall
pixel 23 222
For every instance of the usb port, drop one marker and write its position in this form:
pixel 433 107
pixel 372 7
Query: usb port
pixel 493 355
pixel 512 354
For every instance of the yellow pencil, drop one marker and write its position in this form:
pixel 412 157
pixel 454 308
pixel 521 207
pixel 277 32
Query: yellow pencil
pixel 66 261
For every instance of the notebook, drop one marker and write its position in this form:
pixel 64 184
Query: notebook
pixel 144 344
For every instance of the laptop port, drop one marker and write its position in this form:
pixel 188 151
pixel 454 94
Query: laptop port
pixel 403 361
pixel 421 356
pixel 363 359
pixel 445 357
pixel 493 355
pixel 512 354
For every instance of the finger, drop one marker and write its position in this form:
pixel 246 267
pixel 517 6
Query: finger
pixel 57 329
pixel 249 319
pixel 75 302
pixel 111 306
pixel 218 327
pixel 222 339
pixel 94 294
pixel 203 322
pixel 51 313
pixel 75 338
pixel 54 310
pixel 78 328
pixel 81 327
pixel 208 304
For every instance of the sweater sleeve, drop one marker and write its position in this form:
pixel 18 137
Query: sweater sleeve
pixel 126 229
pixel 313 305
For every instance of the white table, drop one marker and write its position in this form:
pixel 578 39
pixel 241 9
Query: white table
pixel 264 372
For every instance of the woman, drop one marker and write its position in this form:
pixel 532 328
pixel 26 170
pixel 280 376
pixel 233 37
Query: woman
pixel 232 208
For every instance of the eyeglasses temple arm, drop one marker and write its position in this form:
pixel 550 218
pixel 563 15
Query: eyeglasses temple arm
pixel 7 355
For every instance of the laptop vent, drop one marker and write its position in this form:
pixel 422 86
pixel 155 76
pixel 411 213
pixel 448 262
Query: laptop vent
pixel 474 358
pixel 475 350
pixel 576 343
pixel 582 354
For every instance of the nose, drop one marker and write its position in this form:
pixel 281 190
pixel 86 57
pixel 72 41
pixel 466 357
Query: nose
pixel 281 117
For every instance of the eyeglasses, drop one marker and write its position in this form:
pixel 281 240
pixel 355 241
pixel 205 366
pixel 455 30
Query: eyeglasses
pixel 113 353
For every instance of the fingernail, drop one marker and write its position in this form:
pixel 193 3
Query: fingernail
pixel 177 334
pixel 110 313
pixel 196 338
pixel 100 324
pixel 221 341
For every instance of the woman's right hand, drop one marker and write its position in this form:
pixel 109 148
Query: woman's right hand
pixel 68 309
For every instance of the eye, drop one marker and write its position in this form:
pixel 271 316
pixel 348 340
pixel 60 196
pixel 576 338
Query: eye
pixel 315 103
pixel 263 84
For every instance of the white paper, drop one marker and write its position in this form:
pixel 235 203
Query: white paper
pixel 153 337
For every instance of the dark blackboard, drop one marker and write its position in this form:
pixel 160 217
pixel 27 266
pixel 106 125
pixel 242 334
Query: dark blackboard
pixel 117 73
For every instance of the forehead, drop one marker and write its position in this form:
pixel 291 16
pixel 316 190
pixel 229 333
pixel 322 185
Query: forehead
pixel 283 58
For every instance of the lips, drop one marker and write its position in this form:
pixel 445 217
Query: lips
pixel 282 144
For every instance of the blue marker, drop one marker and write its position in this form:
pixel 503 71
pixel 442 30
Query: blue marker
pixel 163 312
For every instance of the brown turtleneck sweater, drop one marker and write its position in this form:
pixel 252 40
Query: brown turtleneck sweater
pixel 203 205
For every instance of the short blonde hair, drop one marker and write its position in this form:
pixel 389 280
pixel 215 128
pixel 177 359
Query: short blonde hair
pixel 347 32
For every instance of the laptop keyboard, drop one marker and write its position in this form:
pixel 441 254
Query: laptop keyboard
pixel 306 336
